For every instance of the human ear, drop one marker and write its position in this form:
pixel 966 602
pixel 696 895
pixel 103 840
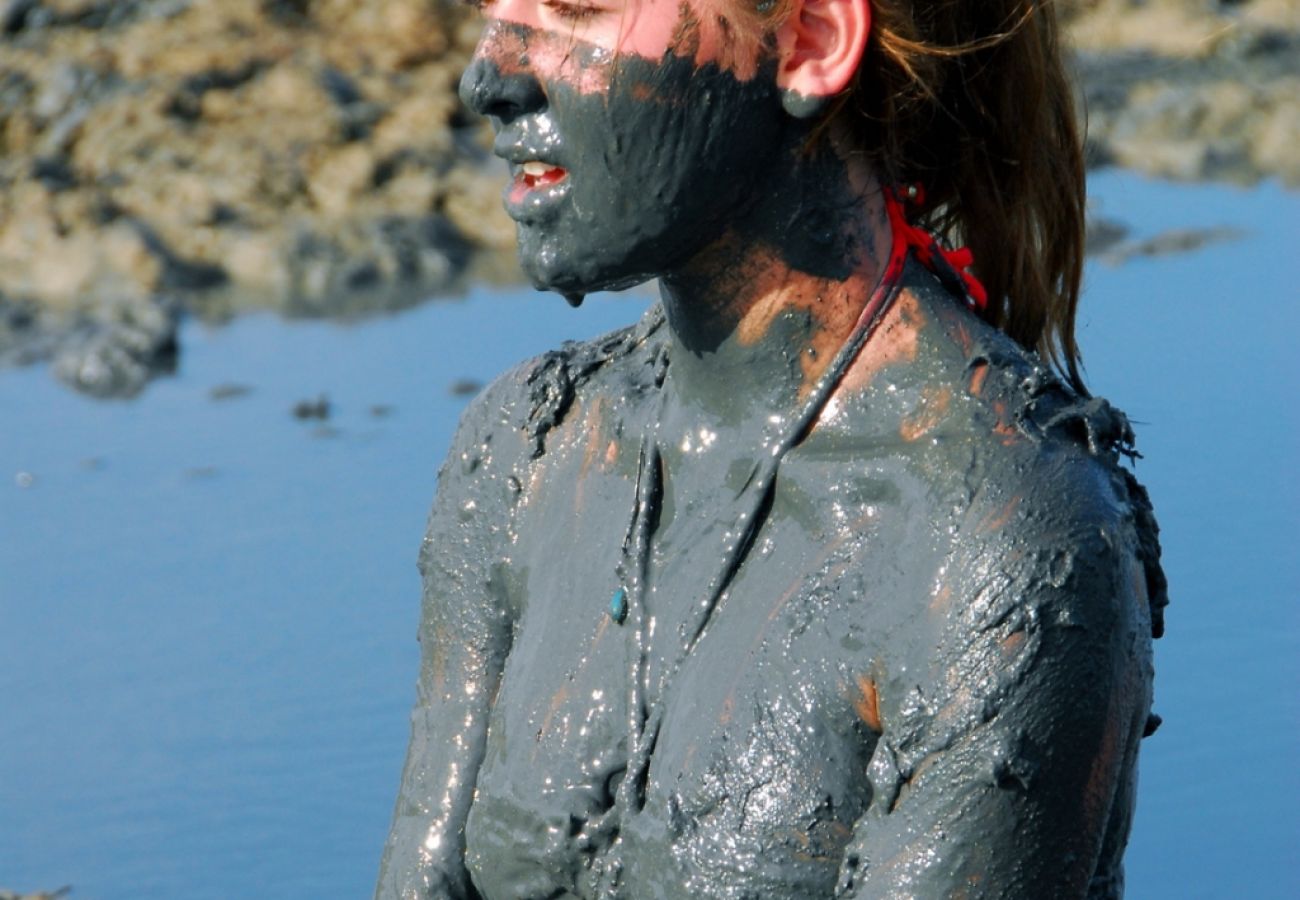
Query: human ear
pixel 819 47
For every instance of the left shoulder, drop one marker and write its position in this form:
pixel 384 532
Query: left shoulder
pixel 1053 491
pixel 936 384
pixel 1015 462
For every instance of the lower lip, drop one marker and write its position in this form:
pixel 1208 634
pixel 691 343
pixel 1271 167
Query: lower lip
pixel 530 194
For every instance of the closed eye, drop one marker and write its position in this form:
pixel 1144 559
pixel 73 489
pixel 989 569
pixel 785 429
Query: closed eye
pixel 572 12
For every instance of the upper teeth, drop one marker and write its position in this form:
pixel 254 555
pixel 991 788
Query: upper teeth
pixel 536 168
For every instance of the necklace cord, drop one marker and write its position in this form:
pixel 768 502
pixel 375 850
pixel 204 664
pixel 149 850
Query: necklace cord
pixel 645 721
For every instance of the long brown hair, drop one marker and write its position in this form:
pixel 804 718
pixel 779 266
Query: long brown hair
pixel 970 99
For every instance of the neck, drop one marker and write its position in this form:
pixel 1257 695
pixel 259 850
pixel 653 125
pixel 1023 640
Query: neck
pixel 759 315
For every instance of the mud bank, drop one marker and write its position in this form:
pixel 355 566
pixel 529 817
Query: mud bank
pixel 39 895
pixel 1191 89
pixel 161 158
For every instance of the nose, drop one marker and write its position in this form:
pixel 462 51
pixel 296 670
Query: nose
pixel 489 92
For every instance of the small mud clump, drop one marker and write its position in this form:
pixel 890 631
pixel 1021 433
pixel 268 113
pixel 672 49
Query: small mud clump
pixel 308 410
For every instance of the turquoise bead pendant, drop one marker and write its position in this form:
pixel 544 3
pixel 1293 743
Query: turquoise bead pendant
pixel 618 606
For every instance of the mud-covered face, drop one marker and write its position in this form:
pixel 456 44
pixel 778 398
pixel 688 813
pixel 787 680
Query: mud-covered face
pixel 634 136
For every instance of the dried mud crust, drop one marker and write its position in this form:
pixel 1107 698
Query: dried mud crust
pixel 1191 89
pixel 207 156
pixel 161 157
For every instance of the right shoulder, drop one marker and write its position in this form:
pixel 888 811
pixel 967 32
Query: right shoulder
pixel 505 427
pixel 518 410
pixel 510 427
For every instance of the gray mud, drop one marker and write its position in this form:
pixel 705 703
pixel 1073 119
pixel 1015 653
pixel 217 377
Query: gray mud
pixel 711 776
pixel 811 584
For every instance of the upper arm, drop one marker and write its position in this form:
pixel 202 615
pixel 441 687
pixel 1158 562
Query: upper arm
pixel 1012 714
pixel 465 632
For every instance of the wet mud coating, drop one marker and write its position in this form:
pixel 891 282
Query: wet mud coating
pixel 666 132
pixel 840 596
pixel 934 656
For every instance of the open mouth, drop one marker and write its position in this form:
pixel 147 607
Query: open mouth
pixel 537 186
pixel 535 174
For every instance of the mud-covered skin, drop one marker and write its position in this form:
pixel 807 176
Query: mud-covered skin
pixel 722 606
pixel 663 154
pixel 928 677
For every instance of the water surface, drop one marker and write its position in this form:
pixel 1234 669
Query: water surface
pixel 208 607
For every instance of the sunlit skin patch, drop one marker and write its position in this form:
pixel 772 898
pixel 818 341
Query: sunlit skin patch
pixel 1098 790
pixel 867 703
pixel 558 700
pixel 593 427
pixel 762 287
pixel 956 326
pixel 941 602
pixel 779 290
pixel 996 521
pixel 1012 644
pixel 928 414
pixel 581 43
pixel 1004 427
pixel 706 33
pixel 561 696
pixel 894 342
pixel 728 709
pixel 518 47
pixel 536 477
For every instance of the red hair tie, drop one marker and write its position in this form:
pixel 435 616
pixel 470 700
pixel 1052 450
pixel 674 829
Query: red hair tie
pixel 951 266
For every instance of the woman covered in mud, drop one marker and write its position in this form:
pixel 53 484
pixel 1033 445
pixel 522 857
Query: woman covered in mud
pixel 817 582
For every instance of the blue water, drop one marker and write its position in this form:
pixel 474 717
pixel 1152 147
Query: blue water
pixel 207 609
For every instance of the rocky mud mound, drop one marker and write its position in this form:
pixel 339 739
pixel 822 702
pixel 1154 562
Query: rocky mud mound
pixel 209 155
pixel 169 157
pixel 1191 89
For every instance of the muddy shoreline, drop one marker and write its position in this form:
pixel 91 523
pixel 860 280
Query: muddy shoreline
pixel 169 158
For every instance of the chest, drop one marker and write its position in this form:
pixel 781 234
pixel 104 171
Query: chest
pixel 758 768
